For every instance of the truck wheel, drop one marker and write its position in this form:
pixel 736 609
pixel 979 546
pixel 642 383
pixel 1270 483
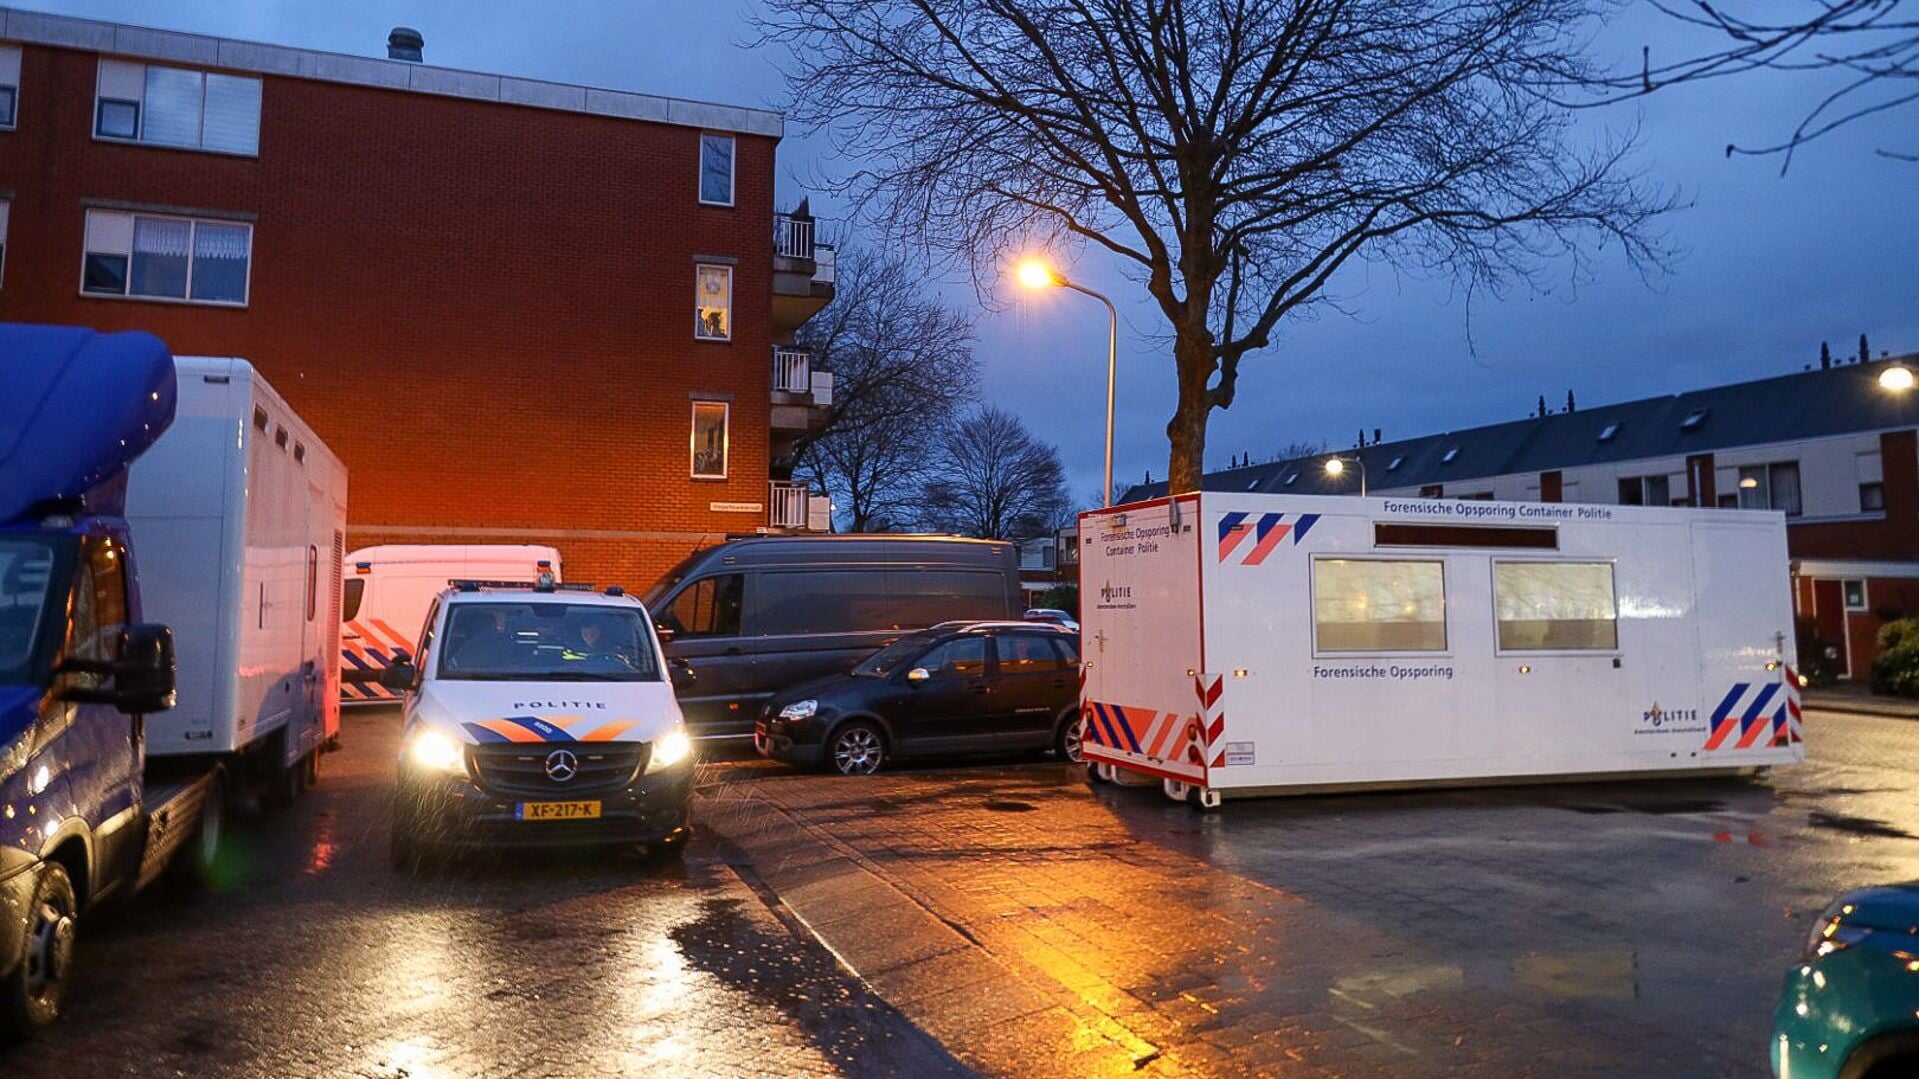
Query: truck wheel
pixel 30 996
pixel 290 781
pixel 857 749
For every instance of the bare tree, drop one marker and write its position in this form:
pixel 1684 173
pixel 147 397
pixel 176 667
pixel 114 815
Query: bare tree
pixel 1874 44
pixel 902 368
pixel 1233 154
pixel 996 480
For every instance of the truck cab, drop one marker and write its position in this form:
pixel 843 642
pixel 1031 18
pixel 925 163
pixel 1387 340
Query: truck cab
pixel 79 672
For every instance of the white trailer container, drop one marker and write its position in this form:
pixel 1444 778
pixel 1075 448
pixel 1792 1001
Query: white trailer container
pixel 389 588
pixel 1245 644
pixel 238 514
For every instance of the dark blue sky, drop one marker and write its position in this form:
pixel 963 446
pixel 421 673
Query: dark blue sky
pixel 1771 265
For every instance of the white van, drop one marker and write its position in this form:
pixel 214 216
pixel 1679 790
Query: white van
pixel 539 715
pixel 388 588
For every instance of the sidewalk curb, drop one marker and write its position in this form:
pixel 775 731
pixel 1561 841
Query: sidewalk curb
pixel 933 971
pixel 1850 707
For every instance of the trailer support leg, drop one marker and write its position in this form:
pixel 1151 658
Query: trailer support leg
pixel 1175 789
pixel 1207 798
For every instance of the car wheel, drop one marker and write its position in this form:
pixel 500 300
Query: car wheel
pixel 669 850
pixel 856 749
pixel 30 995
pixel 1067 743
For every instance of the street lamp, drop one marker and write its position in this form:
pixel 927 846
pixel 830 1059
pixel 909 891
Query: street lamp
pixel 1896 377
pixel 1035 274
pixel 1336 467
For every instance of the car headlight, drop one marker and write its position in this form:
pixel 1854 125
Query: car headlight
pixel 436 752
pixel 800 709
pixel 669 749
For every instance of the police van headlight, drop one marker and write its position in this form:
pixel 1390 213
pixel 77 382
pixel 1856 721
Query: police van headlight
pixel 800 710
pixel 435 752
pixel 669 749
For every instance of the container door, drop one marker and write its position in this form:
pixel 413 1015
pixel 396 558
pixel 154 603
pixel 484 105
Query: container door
pixel 1745 629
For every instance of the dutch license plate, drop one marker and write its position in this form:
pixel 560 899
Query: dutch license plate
pixel 557 810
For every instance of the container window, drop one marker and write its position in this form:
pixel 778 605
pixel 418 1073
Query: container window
pixel 1555 606
pixel 259 418
pixel 1376 605
pixel 313 582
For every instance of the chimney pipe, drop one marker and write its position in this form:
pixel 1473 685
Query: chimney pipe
pixel 1375 436
pixel 405 43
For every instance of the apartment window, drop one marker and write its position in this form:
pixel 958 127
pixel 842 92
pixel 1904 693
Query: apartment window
pixel 179 107
pixel 1770 487
pixel 1872 488
pixel 1555 606
pixel 1376 605
pixel 1447 458
pixel 9 86
pixel 1693 419
pixel 716 170
pixel 1855 595
pixel 1607 432
pixel 1645 490
pixel 157 257
pixel 709 440
pixel 1872 496
pixel 1393 466
pixel 713 310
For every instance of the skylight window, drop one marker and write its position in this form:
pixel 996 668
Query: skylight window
pixel 1290 477
pixel 1396 462
pixel 1693 419
pixel 1252 485
pixel 1606 433
pixel 1451 453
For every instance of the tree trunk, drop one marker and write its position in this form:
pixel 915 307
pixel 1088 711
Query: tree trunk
pixel 1193 354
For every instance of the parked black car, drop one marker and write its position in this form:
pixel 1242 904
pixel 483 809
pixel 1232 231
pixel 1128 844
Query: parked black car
pixel 957 688
pixel 752 616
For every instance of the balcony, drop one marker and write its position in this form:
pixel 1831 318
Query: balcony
pixel 801 395
pixel 793 507
pixel 802 271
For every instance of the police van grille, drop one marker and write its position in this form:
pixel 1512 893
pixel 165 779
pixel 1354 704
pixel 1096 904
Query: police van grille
pixel 521 769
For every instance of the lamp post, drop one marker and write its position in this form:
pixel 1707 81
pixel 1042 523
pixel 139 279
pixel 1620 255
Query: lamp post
pixel 1035 274
pixel 1336 466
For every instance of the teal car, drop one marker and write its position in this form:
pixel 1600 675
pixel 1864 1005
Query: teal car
pixel 1850 1009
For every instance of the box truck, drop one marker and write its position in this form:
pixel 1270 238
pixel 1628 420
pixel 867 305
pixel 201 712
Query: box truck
pixel 1249 644
pixel 169 542
pixel 388 588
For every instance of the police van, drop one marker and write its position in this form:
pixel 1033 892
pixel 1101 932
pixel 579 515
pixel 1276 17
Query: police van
pixel 538 715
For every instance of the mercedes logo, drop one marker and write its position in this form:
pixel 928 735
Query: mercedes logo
pixel 562 765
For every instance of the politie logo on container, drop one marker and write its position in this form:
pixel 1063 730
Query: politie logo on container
pixel 1266 531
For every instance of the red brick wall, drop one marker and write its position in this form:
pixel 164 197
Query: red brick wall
pixel 485 310
pixel 1896 535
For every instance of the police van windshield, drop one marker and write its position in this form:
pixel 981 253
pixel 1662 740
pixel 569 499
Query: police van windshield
pixel 26 576
pixel 546 642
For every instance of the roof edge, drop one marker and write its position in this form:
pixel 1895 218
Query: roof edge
pixel 172 46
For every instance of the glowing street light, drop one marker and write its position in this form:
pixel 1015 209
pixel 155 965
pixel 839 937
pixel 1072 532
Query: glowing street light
pixel 1897 378
pixel 1034 273
pixel 1336 467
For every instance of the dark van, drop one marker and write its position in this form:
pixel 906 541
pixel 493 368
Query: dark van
pixel 753 616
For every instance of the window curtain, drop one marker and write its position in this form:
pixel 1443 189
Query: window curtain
pixel 160 251
pixel 220 254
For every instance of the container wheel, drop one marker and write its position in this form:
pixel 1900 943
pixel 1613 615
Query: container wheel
pixel 30 995
pixel 198 862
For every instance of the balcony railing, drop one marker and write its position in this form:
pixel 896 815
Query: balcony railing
pixel 792 370
pixel 786 504
pixel 792 236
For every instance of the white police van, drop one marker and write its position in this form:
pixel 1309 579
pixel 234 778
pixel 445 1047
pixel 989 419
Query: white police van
pixel 538 715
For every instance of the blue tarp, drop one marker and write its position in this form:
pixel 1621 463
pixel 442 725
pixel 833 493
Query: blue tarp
pixel 76 408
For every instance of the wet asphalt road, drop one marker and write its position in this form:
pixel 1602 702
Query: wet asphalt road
pixel 317 959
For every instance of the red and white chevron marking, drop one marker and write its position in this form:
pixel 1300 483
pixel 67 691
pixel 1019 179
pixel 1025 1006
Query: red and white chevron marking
pixel 1208 748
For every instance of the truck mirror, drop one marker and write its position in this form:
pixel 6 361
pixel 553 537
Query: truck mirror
pixel 399 677
pixel 143 679
pixel 918 675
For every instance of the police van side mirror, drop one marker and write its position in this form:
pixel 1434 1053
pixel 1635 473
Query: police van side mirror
pixel 399 677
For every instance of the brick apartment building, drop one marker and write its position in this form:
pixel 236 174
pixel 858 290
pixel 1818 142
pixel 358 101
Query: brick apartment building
pixel 1832 448
pixel 521 312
